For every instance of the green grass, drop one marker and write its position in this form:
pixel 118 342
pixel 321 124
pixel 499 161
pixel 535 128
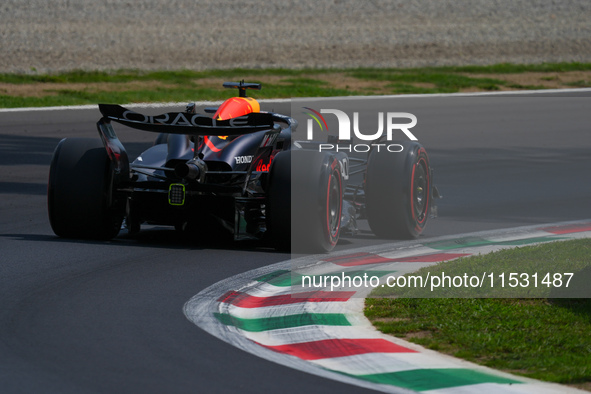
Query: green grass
pixel 534 261
pixel 179 77
pixel 188 85
pixel 580 84
pixel 543 338
pixel 442 82
pixel 178 86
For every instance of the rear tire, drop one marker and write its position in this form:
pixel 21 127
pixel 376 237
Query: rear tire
pixel 80 191
pixel 398 191
pixel 278 207
pixel 308 194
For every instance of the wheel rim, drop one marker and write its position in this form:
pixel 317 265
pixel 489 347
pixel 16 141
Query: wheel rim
pixel 420 186
pixel 334 205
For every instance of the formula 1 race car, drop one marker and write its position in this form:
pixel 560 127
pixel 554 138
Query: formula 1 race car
pixel 238 172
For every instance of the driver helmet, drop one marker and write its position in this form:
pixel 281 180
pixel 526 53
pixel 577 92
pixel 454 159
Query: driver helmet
pixel 235 107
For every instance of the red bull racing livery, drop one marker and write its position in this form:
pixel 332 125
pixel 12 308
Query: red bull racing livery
pixel 231 173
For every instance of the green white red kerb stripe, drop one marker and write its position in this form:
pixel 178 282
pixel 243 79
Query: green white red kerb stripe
pixel 325 333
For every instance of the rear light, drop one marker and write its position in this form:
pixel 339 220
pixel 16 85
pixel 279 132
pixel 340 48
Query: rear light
pixel 176 194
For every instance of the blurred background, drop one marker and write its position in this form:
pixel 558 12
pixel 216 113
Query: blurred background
pixel 62 35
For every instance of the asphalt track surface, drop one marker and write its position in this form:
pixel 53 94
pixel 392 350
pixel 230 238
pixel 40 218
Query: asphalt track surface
pixel 81 316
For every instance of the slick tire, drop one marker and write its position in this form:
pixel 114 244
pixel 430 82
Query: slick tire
pixel 278 207
pixel 79 193
pixel 313 200
pixel 398 191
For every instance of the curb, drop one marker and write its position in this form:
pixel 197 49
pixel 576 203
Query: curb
pixel 326 333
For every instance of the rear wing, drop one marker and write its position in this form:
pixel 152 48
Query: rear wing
pixel 188 123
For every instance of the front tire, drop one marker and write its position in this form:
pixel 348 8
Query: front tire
pixel 398 191
pixel 80 191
